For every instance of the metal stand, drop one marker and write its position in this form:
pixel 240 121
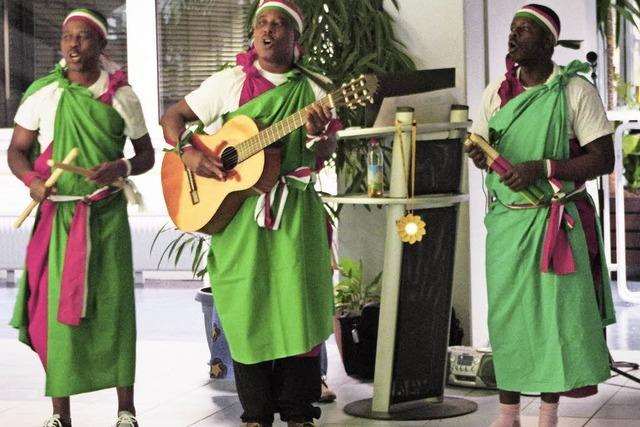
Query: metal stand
pixel 417 410
pixel 616 367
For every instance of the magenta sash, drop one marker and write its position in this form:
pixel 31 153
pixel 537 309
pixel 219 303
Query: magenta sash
pixel 73 288
pixel 254 83
pixel 556 251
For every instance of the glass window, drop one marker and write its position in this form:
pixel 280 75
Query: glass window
pixel 196 38
pixel 30 43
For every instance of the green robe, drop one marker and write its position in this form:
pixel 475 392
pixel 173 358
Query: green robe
pixel 100 353
pixel 546 330
pixel 272 288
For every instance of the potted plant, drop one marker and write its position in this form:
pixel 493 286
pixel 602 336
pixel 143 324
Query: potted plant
pixel 196 245
pixel 356 320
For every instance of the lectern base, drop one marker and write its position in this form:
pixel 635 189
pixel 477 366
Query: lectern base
pixel 416 410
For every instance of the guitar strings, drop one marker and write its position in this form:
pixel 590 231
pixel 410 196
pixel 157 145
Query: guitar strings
pixel 251 146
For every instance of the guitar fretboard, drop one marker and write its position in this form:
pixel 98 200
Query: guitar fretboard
pixel 277 131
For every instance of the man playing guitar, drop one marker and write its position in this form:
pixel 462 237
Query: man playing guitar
pixel 269 266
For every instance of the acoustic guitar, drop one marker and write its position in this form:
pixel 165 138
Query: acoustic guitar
pixel 207 205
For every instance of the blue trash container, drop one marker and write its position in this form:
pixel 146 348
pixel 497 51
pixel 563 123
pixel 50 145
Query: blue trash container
pixel 220 363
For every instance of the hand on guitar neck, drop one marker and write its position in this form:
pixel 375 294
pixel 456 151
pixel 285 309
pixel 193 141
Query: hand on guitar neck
pixel 318 117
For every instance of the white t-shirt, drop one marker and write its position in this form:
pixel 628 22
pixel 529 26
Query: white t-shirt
pixel 38 112
pixel 586 115
pixel 220 93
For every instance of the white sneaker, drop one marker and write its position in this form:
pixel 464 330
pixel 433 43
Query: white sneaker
pixel 126 419
pixel 54 421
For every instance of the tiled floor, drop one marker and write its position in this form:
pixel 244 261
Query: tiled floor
pixel 172 388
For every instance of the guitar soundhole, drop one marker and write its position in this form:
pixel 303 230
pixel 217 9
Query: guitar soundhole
pixel 229 158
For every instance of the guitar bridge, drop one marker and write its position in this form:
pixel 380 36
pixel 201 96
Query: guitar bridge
pixel 193 189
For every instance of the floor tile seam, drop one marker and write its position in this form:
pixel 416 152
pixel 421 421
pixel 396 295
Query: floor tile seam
pixel 611 419
pixel 603 405
pixel 213 413
pixel 12 406
pixel 172 399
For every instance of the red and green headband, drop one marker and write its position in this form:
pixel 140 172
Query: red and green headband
pixel 542 16
pixel 283 6
pixel 90 17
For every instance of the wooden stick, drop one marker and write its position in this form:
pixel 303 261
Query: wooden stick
pixel 70 168
pixel 80 171
pixel 532 194
pixel 73 153
pixel 489 151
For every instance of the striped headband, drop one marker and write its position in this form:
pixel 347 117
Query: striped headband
pixel 284 6
pixel 90 17
pixel 543 16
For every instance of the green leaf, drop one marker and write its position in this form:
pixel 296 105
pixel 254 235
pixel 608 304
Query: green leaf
pixel 155 238
pixel 630 144
pixel 180 249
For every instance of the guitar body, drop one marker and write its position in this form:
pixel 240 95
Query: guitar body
pixel 216 202
pixel 207 205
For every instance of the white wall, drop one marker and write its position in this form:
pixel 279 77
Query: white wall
pixel 433 33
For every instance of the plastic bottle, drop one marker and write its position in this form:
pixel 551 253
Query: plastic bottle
pixel 375 167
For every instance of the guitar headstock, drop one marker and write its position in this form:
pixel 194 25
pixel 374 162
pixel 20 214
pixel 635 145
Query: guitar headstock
pixel 356 93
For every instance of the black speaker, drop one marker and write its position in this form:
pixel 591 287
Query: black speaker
pixel 438 166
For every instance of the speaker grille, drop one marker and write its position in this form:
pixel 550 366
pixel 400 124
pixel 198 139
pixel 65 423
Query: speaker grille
pixel 486 372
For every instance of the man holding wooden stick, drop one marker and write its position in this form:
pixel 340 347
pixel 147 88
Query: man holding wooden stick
pixel 548 287
pixel 75 304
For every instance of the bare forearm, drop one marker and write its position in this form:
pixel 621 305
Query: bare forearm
pixel 172 126
pixel 144 157
pixel 598 160
pixel 175 119
pixel 142 162
pixel 582 168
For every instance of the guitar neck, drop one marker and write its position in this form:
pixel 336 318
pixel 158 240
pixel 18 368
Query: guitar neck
pixel 277 131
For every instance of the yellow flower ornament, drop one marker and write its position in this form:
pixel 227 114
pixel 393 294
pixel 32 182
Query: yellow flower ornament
pixel 411 228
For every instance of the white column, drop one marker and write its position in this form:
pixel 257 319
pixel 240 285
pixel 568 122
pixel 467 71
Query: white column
pixel 391 272
pixel 143 60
